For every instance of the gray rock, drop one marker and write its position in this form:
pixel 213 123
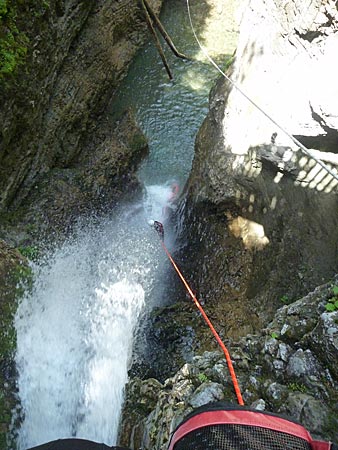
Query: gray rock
pixel 219 373
pixel 150 389
pixel 265 244
pixel 206 393
pixel 259 404
pixel 284 351
pixel 187 371
pixel 207 360
pixel 302 364
pixel 271 346
pixel 277 392
pixel 304 391
pixel 278 365
pixel 254 382
pixel 312 413
pixel 324 340
pixel 183 390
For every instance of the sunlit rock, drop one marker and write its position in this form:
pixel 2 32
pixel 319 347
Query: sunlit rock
pixel 258 209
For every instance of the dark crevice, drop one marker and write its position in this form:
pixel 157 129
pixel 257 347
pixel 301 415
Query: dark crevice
pixel 323 142
pixel 309 35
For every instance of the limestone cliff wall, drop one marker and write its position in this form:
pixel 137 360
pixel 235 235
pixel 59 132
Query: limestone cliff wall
pixel 78 51
pixel 260 218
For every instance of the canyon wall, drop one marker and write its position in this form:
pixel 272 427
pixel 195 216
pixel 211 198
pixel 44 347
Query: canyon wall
pixel 56 138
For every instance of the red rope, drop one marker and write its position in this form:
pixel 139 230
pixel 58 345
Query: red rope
pixel 219 340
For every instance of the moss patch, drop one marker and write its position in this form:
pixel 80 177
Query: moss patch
pixel 16 22
pixel 13 42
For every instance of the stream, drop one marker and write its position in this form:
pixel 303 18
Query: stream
pixel 75 326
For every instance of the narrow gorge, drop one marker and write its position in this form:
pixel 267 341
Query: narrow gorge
pixel 99 338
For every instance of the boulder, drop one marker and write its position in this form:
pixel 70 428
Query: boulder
pixel 206 393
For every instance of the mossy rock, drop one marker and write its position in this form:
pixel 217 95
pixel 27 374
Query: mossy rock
pixel 13 271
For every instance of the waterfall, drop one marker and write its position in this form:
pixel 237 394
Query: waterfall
pixel 75 328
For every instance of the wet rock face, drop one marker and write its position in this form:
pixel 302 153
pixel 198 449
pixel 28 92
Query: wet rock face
pixel 278 372
pixel 12 268
pixel 102 174
pixel 260 219
pixel 78 52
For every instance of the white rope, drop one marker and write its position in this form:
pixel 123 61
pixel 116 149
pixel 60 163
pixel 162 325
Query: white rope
pixel 296 141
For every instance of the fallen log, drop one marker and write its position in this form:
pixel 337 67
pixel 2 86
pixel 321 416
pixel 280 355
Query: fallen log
pixel 163 31
pixel 156 39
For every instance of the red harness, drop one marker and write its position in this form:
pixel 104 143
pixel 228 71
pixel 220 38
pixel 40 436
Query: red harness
pixel 239 425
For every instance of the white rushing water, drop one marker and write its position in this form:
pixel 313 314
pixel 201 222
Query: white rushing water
pixel 75 329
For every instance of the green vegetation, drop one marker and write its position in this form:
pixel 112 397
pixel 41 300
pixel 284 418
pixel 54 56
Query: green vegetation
pixel 13 42
pixel 14 284
pixel 3 8
pixel 202 377
pixel 7 334
pixel 285 299
pixel 331 423
pixel 7 347
pixel 229 62
pixel 29 252
pixel 19 20
pixel 332 303
pixel 139 142
pixel 274 335
pixel 297 387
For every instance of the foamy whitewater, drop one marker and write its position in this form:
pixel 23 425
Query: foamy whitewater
pixel 75 329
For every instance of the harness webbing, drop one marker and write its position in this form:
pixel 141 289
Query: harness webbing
pixel 207 320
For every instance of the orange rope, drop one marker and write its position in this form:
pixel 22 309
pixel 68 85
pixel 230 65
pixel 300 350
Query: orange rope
pixel 219 340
